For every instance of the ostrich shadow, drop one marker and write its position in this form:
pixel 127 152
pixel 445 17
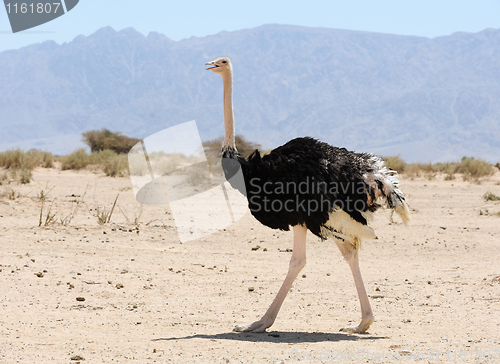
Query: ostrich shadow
pixel 279 337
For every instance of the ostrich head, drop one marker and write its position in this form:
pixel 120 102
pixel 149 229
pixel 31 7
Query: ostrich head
pixel 220 65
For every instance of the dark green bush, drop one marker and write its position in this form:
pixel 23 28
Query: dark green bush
pixel 104 139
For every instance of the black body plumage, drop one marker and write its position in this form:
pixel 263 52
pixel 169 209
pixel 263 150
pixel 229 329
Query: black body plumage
pixel 301 182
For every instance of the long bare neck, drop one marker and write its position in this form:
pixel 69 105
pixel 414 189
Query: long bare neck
pixel 227 83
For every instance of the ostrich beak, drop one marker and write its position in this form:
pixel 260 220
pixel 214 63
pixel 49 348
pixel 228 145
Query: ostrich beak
pixel 211 64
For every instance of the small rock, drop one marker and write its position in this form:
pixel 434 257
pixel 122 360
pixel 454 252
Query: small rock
pixel 377 289
pixel 39 274
pixel 256 247
pixel 303 276
pixel 77 357
pixel 119 285
pixel 251 289
pixel 80 299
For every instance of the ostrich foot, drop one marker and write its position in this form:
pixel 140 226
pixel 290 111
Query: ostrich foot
pixel 257 326
pixel 361 328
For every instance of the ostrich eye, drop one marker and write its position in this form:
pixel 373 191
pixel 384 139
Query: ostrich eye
pixel 224 61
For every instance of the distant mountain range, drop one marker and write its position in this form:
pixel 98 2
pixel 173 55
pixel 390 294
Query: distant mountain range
pixel 424 99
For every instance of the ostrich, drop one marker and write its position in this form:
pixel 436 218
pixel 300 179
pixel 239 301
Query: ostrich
pixel 306 184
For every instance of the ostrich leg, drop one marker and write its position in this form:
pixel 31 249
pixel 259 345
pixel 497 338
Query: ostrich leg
pixel 350 254
pixel 297 262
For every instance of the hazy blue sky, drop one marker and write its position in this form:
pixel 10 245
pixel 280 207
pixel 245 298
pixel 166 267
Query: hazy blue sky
pixel 185 18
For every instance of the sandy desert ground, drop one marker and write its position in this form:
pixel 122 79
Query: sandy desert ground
pixel 129 292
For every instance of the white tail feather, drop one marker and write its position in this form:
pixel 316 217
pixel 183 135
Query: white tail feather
pixel 399 205
pixel 390 195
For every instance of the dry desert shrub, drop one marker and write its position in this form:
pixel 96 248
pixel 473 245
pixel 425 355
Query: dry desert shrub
pixel 100 158
pixel 488 196
pixel 25 176
pixel 108 161
pixel 38 158
pixel 103 214
pixel 111 163
pixel 108 153
pixel 18 159
pixel 20 164
pixel 13 159
pixel 469 167
pixel 474 168
pixel 116 166
pixel 395 163
pixel 77 160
